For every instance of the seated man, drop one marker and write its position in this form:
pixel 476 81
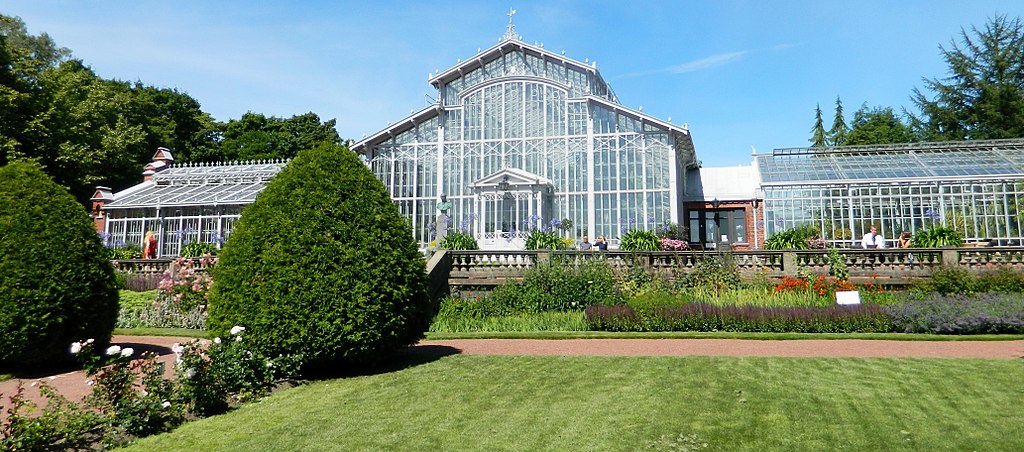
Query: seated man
pixel 873 240
pixel 585 245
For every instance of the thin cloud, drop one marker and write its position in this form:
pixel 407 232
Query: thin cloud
pixel 705 63
pixel 710 62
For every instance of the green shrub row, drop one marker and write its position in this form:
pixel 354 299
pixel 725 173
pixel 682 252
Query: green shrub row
pixel 950 280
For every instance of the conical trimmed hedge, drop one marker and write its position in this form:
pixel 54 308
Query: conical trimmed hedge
pixel 56 285
pixel 322 264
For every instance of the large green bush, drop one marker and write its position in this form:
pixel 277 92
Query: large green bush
pixel 323 265
pixel 56 285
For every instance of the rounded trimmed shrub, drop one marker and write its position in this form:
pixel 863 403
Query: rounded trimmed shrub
pixel 56 285
pixel 322 264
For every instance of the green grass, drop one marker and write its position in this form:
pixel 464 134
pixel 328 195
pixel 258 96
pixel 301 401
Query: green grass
pixel 132 299
pixel 182 332
pixel 6 377
pixel 464 402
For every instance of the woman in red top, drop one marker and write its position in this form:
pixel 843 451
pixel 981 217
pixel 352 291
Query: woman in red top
pixel 149 246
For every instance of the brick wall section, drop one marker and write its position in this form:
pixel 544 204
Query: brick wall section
pixel 752 215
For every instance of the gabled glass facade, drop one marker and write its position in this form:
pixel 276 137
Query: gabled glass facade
pixel 976 187
pixel 576 152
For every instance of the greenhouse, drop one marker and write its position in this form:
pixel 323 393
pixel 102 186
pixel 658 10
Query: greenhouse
pixel 181 203
pixel 976 187
pixel 519 137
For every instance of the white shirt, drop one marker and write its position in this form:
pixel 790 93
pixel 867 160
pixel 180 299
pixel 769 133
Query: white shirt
pixel 873 239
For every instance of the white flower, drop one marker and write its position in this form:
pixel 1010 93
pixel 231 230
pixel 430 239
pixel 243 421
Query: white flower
pixel 238 338
pixel 76 347
pixel 113 350
pixel 89 341
pixel 189 373
pixel 237 329
pixel 177 348
pixel 89 382
pixel 127 351
pixel 166 404
pixel 216 340
pixel 270 363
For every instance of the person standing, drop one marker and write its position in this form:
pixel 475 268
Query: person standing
pixel 873 240
pixel 149 246
pixel 585 245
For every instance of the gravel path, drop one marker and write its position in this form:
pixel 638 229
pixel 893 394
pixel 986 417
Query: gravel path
pixel 73 384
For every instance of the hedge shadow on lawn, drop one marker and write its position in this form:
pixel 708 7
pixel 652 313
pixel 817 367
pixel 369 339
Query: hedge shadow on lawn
pixel 402 359
pixel 74 366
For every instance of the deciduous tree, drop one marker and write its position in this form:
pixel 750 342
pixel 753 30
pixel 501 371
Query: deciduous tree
pixel 878 126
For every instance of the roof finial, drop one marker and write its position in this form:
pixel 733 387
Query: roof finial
pixel 510 29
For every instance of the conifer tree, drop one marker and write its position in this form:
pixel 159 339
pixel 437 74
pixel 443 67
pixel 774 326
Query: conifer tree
pixel 837 135
pixel 983 95
pixel 818 131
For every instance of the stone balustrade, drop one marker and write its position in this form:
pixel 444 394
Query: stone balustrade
pixel 160 265
pixel 482 269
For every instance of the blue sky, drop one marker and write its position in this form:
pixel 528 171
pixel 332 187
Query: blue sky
pixel 740 73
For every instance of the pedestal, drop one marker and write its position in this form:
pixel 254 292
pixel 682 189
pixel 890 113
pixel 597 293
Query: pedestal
pixel 440 227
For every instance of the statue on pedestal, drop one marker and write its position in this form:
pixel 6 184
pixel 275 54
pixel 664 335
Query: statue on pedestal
pixel 444 205
pixel 441 224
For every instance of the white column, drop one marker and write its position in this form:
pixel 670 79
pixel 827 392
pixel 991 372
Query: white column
pixel 591 212
pixel 673 181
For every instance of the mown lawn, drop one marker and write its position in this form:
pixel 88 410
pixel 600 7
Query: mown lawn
pixel 462 402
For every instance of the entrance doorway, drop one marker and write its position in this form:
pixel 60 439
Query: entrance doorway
pixel 511 202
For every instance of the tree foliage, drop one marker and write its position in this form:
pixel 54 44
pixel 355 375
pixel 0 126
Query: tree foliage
pixel 56 284
pixel 323 265
pixel 258 137
pixel 878 126
pixel 983 95
pixel 86 131
pixel 837 134
pixel 818 134
pixel 82 129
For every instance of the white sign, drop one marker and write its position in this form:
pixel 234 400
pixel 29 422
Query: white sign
pixel 848 297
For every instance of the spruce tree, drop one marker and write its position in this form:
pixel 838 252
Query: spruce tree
pixel 818 131
pixel 837 135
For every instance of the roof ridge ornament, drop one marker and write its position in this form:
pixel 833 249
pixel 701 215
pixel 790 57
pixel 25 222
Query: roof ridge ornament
pixel 510 29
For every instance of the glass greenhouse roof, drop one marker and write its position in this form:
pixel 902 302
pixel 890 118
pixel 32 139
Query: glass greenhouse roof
pixel 936 160
pixel 200 184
